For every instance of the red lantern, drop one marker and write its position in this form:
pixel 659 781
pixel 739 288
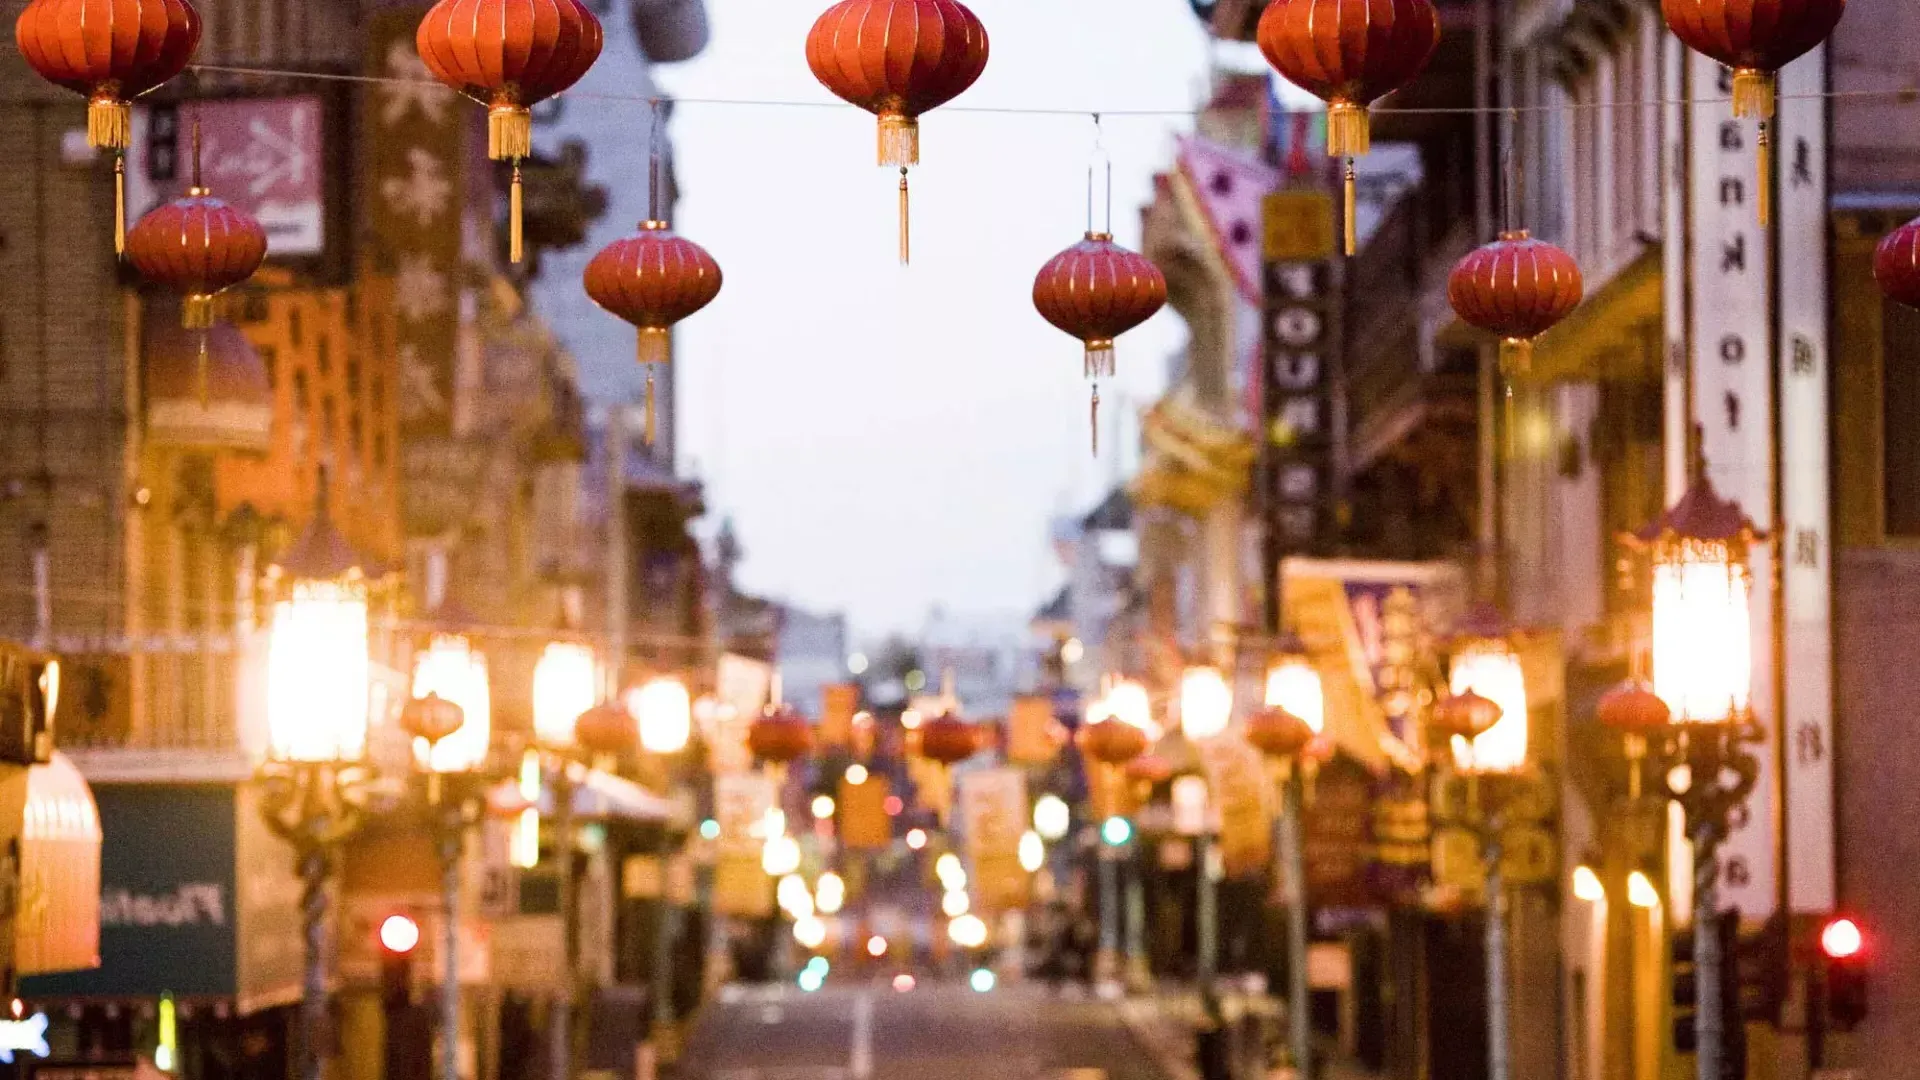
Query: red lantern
pixel 1149 769
pixel 1516 287
pixel 431 718
pixel 112 51
pixel 198 246
pixel 1634 709
pixel 948 740
pixel 1896 265
pixel 1278 734
pixel 608 729
pixel 1756 40
pixel 1466 716
pixel 509 55
pixel 898 59
pixel 1097 290
pixel 1349 53
pixel 782 736
pixel 653 279
pixel 1112 742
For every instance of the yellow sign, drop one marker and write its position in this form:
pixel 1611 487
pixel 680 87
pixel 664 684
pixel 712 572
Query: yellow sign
pixel 1298 226
pixel 864 824
pixel 838 703
pixel 1238 776
pixel 1030 732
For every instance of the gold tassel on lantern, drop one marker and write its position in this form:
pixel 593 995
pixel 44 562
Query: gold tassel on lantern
pixel 651 429
pixel 1516 357
pixel 1753 93
pixel 1350 213
pixel 899 140
pixel 196 312
pixel 516 242
pixel 109 123
pixel 655 344
pixel 1766 176
pixel 509 131
pixel 905 246
pixel 119 205
pixel 1100 363
pixel 1093 416
pixel 1348 132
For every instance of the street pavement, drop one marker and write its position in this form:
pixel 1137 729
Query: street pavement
pixel 869 1031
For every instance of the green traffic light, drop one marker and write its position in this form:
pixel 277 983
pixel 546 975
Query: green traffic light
pixel 1116 831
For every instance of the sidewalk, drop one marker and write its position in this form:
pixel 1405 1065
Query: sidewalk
pixel 1164 1023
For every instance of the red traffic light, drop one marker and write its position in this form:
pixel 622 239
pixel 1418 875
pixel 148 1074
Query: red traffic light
pixel 1841 939
pixel 399 934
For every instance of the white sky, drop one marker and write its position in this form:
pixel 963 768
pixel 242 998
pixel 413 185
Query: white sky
pixel 884 439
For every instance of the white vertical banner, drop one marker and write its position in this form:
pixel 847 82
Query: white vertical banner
pixel 1731 340
pixel 1805 501
pixel 1674 164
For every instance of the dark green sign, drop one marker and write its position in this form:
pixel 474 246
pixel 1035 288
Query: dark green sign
pixel 167 899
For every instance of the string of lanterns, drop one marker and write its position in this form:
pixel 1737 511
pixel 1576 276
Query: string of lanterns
pixel 897 59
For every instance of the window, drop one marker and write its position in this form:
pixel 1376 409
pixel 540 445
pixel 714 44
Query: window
pixel 323 355
pixel 270 359
pixel 300 396
pixel 294 334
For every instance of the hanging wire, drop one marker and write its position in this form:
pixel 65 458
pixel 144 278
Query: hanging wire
pixel 656 178
pixel 1101 162
pixel 1905 95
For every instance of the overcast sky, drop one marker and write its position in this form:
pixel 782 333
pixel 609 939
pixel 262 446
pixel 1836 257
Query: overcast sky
pixel 884 439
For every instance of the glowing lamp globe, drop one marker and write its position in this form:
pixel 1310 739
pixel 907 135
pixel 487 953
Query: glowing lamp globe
pixel 1484 664
pixel 664 710
pixel 318 668
pixel 1702 599
pixel 452 669
pixel 1206 703
pixel 431 718
pixel 566 683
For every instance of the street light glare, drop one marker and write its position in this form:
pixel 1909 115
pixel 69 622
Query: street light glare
pixel 1294 685
pixel 1032 851
pixel 566 683
pixel 1206 702
pixel 1052 817
pixel 1842 940
pixel 968 931
pixel 399 934
pixel 857 664
pixel 317 673
pixel 453 669
pixel 665 712
pixel 1641 892
pixel 1491 669
pixel 916 838
pixel 822 807
pixel 856 774
pixel 876 946
pixel 1587 885
pixel 955 904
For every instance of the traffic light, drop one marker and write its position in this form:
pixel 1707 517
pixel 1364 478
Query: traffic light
pixel 1762 968
pixel 399 936
pixel 1844 949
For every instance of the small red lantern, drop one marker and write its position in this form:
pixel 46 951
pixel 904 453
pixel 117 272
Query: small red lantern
pixel 1634 709
pixel 1896 265
pixel 509 55
pixel 782 736
pixel 1278 734
pixel 653 279
pixel 898 59
pixel 197 245
pixel 1756 40
pixel 431 718
pixel 948 740
pixel 112 51
pixel 1349 53
pixel 1097 290
pixel 1516 287
pixel 1466 716
pixel 1112 742
pixel 608 729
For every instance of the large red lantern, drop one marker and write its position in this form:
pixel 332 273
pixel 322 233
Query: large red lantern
pixel 1756 40
pixel 1112 742
pixel 509 55
pixel 1097 290
pixel 1516 287
pixel 1634 709
pixel 1349 53
pixel 898 59
pixel 948 740
pixel 653 279
pixel 112 51
pixel 782 736
pixel 1896 265
pixel 1465 716
pixel 198 246
pixel 1278 734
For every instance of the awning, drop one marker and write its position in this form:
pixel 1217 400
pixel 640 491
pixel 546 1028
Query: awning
pixel 597 796
pixel 58 924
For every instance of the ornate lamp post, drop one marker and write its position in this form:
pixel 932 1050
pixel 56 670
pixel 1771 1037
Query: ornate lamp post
pixel 1206 708
pixel 566 686
pixel 1295 715
pixel 1703 672
pixel 664 711
pixel 450 720
pixel 1482 732
pixel 317 694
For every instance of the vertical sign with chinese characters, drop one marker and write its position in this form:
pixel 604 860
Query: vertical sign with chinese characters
pixel 414 149
pixel 1807 632
pixel 1732 343
pixel 1674 168
pixel 994 813
pixel 1298 343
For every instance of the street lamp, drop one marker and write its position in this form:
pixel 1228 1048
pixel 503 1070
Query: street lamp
pixel 317 704
pixel 566 687
pixel 1485 663
pixel 1703 672
pixel 665 712
pixel 1206 703
pixel 1295 714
